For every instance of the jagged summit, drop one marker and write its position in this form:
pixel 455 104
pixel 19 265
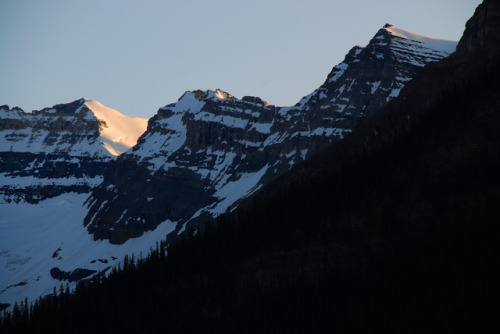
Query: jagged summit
pixel 74 108
pixel 217 94
pixel 211 96
pixel 372 75
pixel 255 99
pixel 192 102
pixel 9 113
pixel 6 108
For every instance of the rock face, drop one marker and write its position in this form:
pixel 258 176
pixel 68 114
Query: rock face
pixel 201 155
pixel 482 32
pixel 49 152
pixel 57 150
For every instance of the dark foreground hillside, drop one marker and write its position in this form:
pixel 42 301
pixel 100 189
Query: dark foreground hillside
pixel 391 232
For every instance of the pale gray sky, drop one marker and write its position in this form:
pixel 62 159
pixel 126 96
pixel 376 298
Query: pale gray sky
pixel 137 56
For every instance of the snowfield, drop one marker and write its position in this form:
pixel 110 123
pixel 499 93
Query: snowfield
pixel 37 238
pixel 121 132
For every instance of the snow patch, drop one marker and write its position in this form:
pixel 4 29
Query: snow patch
pixel 230 192
pixel 341 68
pixel 430 42
pixel 375 86
pixel 118 132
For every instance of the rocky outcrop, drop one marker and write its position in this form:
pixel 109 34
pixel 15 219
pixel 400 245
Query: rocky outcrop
pixel 48 152
pixel 67 129
pixel 482 32
pixel 369 77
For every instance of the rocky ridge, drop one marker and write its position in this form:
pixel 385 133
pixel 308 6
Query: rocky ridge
pixel 56 150
pixel 201 155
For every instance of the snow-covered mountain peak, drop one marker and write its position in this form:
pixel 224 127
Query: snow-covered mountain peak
pixel 193 101
pixel 372 75
pixel 118 132
pixel 189 101
pixel 83 126
pixel 202 95
pixel 217 94
pixel 430 42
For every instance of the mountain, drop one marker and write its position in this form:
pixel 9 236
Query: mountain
pixel 198 157
pixel 393 229
pixel 50 160
pixel 60 149
pixel 75 128
pixel 371 76
pixel 203 154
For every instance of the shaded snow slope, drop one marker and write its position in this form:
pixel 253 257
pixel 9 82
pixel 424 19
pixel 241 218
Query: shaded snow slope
pixel 36 238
